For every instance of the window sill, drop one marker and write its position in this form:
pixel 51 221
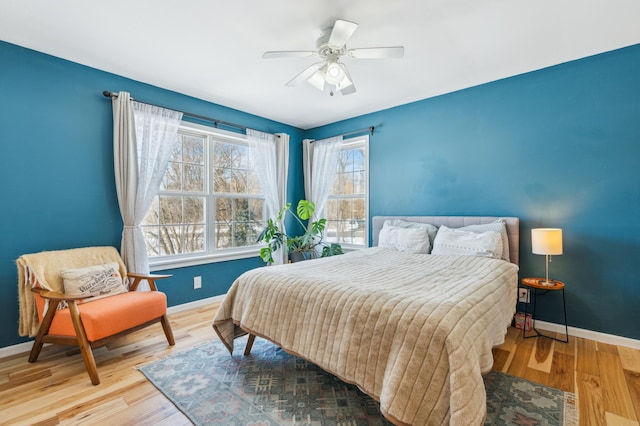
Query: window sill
pixel 202 259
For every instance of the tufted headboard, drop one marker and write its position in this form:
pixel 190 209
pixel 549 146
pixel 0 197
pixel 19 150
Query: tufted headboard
pixel 513 227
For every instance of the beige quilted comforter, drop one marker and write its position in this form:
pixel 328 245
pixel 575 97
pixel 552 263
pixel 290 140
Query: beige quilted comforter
pixel 414 332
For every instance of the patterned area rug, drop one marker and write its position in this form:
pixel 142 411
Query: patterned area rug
pixel 271 387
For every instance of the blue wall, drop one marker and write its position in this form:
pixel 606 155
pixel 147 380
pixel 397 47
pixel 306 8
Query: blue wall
pixel 56 159
pixel 559 147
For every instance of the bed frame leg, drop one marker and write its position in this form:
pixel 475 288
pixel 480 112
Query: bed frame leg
pixel 247 349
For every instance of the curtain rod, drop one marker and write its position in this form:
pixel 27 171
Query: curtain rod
pixel 369 129
pixel 215 121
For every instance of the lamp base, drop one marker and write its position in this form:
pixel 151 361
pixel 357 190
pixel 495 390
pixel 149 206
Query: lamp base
pixel 549 283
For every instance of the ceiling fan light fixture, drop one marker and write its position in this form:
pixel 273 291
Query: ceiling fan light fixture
pixel 334 74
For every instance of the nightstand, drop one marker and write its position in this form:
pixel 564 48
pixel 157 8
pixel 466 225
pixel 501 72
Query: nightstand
pixel 537 289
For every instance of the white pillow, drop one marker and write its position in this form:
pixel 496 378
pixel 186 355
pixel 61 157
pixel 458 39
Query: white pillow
pixel 93 281
pixel 467 243
pixel 496 226
pixel 432 230
pixel 408 240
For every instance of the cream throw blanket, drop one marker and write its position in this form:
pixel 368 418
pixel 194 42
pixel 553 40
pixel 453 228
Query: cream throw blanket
pixel 413 331
pixel 43 269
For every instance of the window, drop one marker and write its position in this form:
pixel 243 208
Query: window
pixel 210 202
pixel 348 203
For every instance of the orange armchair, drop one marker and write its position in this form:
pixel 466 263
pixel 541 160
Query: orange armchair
pixel 86 322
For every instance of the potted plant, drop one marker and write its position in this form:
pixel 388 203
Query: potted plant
pixel 300 247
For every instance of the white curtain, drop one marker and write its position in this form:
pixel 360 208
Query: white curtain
pixel 143 140
pixel 270 155
pixel 320 160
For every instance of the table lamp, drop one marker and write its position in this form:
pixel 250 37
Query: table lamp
pixel 547 241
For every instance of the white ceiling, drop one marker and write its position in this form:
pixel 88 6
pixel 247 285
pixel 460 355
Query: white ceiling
pixel 212 49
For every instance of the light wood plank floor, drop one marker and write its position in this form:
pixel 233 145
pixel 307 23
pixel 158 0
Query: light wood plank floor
pixel 56 389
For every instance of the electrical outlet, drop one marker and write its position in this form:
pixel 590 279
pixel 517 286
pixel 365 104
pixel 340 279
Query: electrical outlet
pixel 523 295
pixel 197 282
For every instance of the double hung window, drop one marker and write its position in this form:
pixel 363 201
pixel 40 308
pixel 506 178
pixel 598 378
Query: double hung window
pixel 210 202
pixel 347 206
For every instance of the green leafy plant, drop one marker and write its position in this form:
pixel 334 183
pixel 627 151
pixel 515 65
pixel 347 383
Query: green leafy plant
pixel 306 245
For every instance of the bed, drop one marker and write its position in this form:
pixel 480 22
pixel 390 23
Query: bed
pixel 413 331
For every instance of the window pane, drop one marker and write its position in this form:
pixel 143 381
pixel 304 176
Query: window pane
pixel 256 219
pixel 193 238
pixel 151 238
pixel 241 228
pixel 170 210
pixel 176 155
pixel 223 235
pixel 221 180
pixel 222 155
pixel 238 181
pixel 170 239
pixel 172 179
pixel 332 209
pixel 345 163
pixel 240 157
pixel 344 209
pixel 223 210
pixel 193 149
pixel 193 177
pixel 360 182
pixel 194 210
pixel 253 183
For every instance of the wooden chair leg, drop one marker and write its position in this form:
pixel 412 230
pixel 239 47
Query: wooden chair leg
pixel 167 330
pixel 83 343
pixel 44 329
pixel 247 349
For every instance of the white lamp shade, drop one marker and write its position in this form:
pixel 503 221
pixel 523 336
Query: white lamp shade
pixel 546 241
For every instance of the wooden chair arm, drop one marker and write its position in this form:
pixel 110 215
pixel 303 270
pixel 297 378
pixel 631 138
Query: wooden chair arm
pixel 151 279
pixel 54 295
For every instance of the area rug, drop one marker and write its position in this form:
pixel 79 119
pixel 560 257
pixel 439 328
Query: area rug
pixel 271 387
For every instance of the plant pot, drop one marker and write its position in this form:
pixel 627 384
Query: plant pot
pixel 298 256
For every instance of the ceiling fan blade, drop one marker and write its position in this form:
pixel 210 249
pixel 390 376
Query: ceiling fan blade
pixel 341 33
pixel 304 75
pixel 288 54
pixel 377 52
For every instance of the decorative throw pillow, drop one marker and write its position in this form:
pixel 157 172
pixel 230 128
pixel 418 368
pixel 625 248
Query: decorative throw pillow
pixel 467 243
pixel 93 281
pixel 408 240
pixel 431 230
pixel 496 226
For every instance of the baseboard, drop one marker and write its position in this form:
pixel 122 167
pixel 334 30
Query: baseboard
pixel 195 304
pixel 591 335
pixel 26 346
pixel 16 349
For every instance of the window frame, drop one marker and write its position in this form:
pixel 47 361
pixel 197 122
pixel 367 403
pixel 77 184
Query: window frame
pixel 211 255
pixel 351 143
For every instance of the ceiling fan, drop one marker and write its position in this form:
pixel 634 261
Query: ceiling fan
pixel 331 45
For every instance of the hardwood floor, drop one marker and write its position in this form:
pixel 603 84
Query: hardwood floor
pixel 56 389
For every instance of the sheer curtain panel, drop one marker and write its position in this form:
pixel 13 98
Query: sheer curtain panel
pixel 143 140
pixel 270 155
pixel 320 159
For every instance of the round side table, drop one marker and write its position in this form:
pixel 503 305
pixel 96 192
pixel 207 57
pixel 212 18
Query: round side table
pixel 536 288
